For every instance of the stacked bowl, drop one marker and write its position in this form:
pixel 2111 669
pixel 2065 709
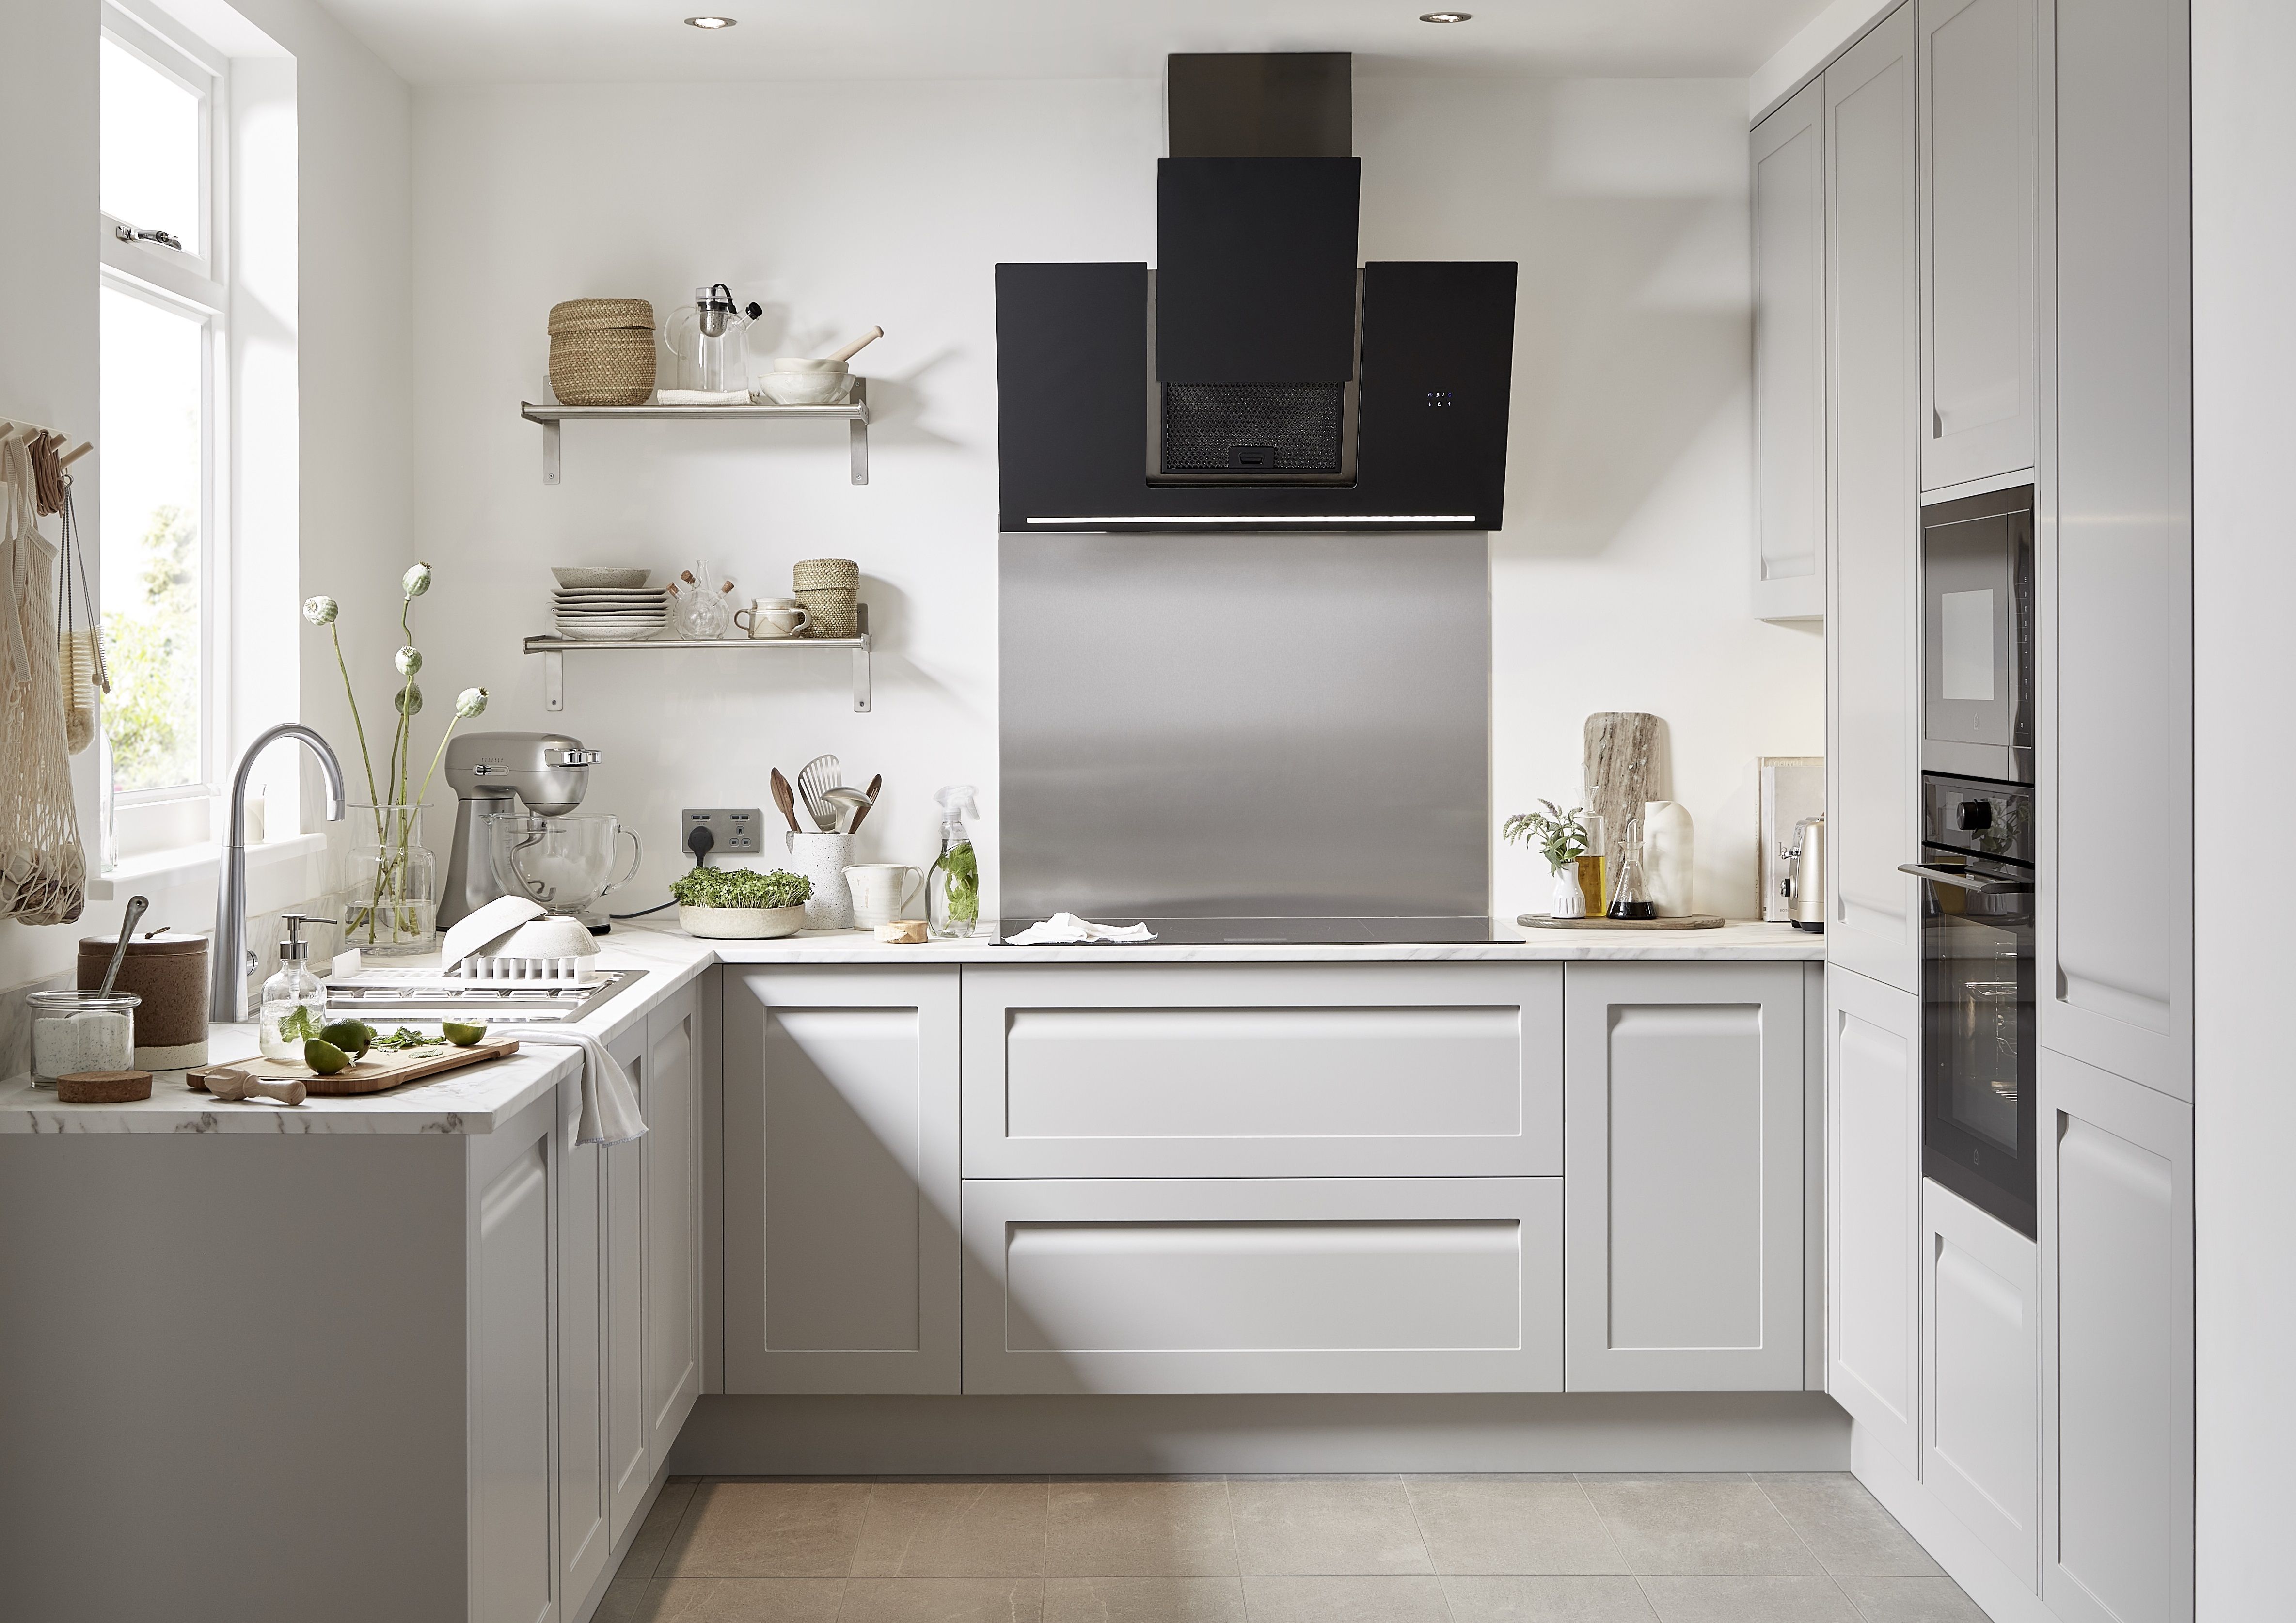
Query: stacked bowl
pixel 608 605
pixel 829 589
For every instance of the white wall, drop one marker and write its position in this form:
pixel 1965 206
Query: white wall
pixel 1619 582
pixel 2244 673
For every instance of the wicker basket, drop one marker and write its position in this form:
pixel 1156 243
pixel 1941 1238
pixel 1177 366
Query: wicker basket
pixel 601 351
pixel 834 611
pixel 825 574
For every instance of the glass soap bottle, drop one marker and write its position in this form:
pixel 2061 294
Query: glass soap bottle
pixel 294 1004
pixel 953 888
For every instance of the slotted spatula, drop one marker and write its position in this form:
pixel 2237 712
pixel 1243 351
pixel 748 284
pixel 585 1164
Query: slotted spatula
pixel 822 772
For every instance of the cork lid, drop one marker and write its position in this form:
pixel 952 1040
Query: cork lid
pixel 163 944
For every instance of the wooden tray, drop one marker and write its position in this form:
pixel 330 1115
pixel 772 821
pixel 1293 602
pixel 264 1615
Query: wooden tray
pixel 372 1074
pixel 1694 920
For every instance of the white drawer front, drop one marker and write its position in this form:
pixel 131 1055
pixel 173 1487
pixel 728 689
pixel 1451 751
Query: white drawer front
pixel 1275 1072
pixel 1233 1285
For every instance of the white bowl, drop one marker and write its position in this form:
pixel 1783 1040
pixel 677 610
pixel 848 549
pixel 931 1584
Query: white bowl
pixel 600 577
pixel 806 388
pixel 740 923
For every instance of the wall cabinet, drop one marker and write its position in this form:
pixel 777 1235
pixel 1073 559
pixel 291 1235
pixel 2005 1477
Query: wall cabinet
pixel 1872 570
pixel 1981 1380
pixel 1788 185
pixel 1873 1191
pixel 840 1179
pixel 1684 1177
pixel 1980 229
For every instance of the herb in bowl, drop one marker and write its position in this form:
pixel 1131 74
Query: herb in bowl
pixel 740 887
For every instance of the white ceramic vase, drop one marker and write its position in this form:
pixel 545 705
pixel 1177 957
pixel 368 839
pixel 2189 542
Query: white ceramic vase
pixel 823 859
pixel 1666 857
pixel 1569 901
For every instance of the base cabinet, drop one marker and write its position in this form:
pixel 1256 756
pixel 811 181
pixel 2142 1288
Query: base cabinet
pixel 1981 1380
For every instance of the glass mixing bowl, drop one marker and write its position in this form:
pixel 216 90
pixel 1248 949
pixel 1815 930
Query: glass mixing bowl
pixel 565 863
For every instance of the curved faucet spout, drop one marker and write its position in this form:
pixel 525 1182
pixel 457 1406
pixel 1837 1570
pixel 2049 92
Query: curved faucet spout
pixel 229 961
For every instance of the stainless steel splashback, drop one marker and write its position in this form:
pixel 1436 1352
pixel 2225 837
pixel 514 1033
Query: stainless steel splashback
pixel 1245 726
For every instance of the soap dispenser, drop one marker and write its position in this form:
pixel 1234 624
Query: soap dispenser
pixel 953 889
pixel 294 1004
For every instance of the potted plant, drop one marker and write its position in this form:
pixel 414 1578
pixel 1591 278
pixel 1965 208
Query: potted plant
pixel 740 903
pixel 1560 837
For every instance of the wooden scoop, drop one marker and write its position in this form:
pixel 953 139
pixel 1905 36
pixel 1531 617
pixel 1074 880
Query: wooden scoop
pixel 226 1083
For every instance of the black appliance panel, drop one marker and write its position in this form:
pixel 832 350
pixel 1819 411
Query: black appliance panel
pixel 1977 633
pixel 1259 105
pixel 1256 269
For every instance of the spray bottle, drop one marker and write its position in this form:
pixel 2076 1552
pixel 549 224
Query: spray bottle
pixel 953 889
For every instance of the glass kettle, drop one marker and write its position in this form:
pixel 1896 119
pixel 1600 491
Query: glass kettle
pixel 710 339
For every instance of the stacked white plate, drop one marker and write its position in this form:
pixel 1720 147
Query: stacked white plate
pixel 610 614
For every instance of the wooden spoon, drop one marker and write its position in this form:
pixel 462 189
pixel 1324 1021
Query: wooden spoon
pixel 786 799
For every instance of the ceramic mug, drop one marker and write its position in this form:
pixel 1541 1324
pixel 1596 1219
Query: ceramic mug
pixel 879 891
pixel 773 618
pixel 821 859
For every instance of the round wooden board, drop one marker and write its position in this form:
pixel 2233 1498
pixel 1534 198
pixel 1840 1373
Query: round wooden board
pixel 1694 920
pixel 103 1087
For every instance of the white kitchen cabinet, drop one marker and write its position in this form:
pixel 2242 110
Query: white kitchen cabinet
pixel 1683 1177
pixel 1981 1380
pixel 584 1296
pixel 2116 567
pixel 629 1443
pixel 840 1179
pixel 1873 919
pixel 1263 1286
pixel 1980 230
pixel 1263 1070
pixel 512 1569
pixel 2116 1200
pixel 1873 1184
pixel 1789 230
pixel 673 1219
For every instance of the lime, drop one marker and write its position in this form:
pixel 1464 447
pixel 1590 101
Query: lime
pixel 465 1037
pixel 353 1036
pixel 323 1057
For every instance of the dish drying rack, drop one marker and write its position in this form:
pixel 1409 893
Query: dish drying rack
pixel 434 991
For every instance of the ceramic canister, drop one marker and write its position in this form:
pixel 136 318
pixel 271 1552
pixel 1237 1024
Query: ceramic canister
pixel 822 859
pixel 169 972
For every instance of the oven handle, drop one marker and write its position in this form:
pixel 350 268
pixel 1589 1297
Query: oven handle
pixel 1962 882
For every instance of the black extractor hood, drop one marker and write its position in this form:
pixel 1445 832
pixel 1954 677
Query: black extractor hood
pixel 1258 378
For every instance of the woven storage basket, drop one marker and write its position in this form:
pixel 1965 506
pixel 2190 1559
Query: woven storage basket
pixel 825 574
pixel 833 610
pixel 601 351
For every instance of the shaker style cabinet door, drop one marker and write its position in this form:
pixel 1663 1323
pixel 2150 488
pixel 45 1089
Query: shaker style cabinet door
pixel 1873 1202
pixel 514 1576
pixel 1872 568
pixel 629 1454
pixel 673 1217
pixel 1789 197
pixel 586 1508
pixel 1683 1177
pixel 1980 181
pixel 843 1269
pixel 1981 1380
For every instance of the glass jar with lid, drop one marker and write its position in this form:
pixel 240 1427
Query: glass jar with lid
pixel 77 1031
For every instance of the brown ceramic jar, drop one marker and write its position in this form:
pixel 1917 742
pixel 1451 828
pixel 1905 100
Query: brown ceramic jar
pixel 169 972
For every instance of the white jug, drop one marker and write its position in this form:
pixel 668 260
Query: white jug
pixel 880 893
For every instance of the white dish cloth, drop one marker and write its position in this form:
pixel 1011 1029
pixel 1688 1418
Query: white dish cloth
pixel 610 1104
pixel 1063 927
pixel 701 396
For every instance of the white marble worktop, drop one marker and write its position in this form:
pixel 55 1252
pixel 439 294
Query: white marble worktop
pixel 478 1099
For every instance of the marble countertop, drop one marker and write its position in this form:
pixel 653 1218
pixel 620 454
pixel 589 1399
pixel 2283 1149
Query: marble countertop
pixel 478 1099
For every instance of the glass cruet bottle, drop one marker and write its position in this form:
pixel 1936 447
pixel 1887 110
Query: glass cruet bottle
pixel 1630 896
pixel 953 889
pixel 294 1004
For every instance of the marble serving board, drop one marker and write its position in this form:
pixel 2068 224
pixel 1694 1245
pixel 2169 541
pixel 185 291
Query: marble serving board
pixel 1689 921
pixel 366 1076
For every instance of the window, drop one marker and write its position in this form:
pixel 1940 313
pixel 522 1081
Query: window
pixel 165 380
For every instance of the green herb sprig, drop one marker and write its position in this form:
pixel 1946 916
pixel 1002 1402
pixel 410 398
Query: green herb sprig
pixel 740 887
pixel 964 888
pixel 1558 835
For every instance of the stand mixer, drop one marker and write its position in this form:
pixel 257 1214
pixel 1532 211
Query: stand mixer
pixel 489 772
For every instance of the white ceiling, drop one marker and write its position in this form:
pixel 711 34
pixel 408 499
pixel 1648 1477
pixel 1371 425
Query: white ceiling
pixel 464 41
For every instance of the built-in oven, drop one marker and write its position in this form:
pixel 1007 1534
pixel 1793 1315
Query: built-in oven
pixel 1979 1041
pixel 1977 632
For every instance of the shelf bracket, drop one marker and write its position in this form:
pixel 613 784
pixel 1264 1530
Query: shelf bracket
pixel 553 678
pixel 857 434
pixel 861 695
pixel 550 451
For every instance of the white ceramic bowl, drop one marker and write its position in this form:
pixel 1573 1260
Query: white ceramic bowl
pixel 806 388
pixel 601 577
pixel 740 923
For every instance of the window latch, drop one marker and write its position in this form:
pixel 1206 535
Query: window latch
pixel 145 233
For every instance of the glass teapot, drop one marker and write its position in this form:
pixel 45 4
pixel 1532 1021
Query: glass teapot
pixel 710 339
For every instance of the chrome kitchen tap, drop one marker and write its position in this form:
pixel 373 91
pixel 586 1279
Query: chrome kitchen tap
pixel 229 961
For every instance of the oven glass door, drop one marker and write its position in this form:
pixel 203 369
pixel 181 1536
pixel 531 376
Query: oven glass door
pixel 1978 1048
pixel 1977 591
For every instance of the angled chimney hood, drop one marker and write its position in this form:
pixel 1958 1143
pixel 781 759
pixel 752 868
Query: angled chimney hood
pixel 1256 379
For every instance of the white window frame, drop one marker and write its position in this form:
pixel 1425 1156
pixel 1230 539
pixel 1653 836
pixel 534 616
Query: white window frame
pixel 139 822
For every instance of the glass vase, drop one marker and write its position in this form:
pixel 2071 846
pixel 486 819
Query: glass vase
pixel 391 903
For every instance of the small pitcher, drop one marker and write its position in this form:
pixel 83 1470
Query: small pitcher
pixel 881 890
pixel 821 859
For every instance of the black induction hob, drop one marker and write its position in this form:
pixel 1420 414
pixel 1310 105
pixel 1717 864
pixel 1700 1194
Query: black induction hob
pixel 1296 931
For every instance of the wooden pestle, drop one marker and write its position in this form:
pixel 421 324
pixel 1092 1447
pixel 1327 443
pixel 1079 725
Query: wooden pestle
pixel 228 1084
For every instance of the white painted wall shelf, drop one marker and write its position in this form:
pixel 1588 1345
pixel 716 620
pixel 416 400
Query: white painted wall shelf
pixel 553 651
pixel 855 416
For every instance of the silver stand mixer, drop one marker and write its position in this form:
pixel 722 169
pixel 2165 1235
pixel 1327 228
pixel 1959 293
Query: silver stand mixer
pixel 548 771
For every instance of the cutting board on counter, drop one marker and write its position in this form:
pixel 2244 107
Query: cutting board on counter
pixel 374 1074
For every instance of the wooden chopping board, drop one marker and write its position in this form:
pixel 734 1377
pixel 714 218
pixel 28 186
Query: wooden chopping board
pixel 1693 921
pixel 374 1074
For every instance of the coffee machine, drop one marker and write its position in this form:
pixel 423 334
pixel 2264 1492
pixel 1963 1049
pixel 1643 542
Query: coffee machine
pixel 548 771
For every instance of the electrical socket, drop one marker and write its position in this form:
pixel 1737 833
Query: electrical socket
pixel 738 830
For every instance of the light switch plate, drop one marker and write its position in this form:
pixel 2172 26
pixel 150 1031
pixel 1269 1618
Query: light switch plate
pixel 737 830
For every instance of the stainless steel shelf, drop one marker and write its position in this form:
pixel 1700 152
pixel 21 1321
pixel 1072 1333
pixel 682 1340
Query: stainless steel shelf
pixel 854 415
pixel 554 650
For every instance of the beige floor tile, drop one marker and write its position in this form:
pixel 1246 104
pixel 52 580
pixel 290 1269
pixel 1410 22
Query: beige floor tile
pixel 1139 1529
pixel 1346 1600
pixel 1911 1600
pixel 1548 1600
pixel 1326 1524
pixel 1143 1600
pixel 722 1600
pixel 767 1530
pixel 1706 1527
pixel 943 1600
pixel 1483 1525
pixel 1749 1600
pixel 1845 1527
pixel 952 1529
pixel 644 1553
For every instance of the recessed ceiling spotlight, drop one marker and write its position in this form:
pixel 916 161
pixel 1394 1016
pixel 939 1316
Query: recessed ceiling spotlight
pixel 709 22
pixel 1446 17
